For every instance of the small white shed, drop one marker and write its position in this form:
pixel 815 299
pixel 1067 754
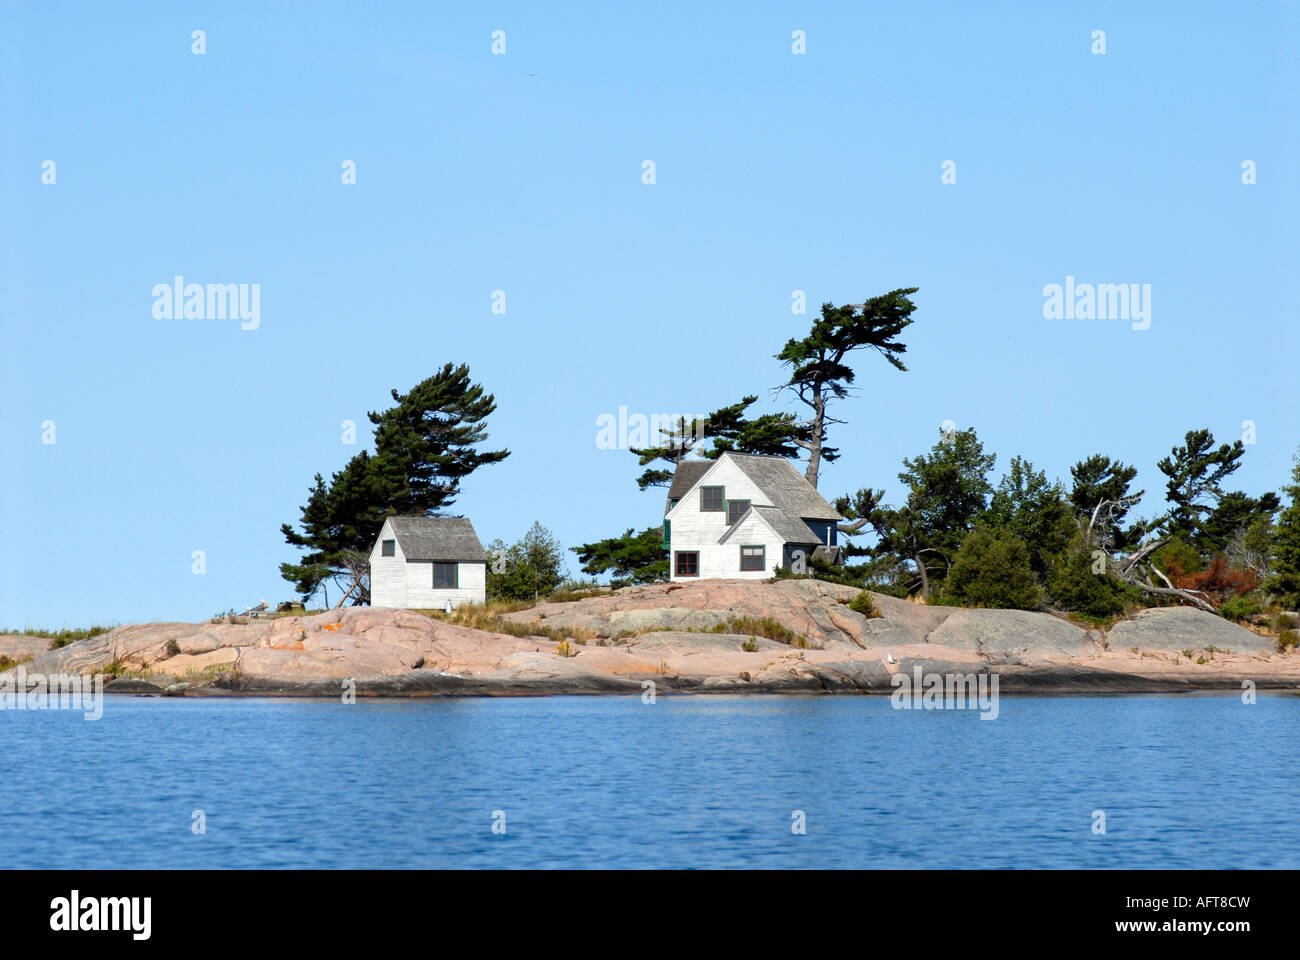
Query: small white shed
pixel 424 563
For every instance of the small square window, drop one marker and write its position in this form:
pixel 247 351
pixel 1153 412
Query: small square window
pixel 753 558
pixel 712 499
pixel 444 575
pixel 388 548
pixel 735 510
pixel 688 564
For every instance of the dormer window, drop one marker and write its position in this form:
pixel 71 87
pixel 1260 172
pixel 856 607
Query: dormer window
pixel 712 499
pixel 735 510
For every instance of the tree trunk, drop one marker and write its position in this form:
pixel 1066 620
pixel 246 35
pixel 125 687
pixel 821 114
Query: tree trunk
pixel 815 442
pixel 925 577
pixel 344 599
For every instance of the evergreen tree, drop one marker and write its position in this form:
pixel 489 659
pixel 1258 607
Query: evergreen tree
pixel 1196 471
pixel 428 442
pixel 424 447
pixel 818 371
pixel 947 491
pixel 1078 581
pixel 771 434
pixel 1235 514
pixel 639 558
pixel 992 569
pixel 1099 479
pixel 1029 506
pixel 533 566
pixel 1284 585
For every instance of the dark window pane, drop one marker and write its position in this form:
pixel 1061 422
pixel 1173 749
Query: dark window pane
pixel 736 509
pixel 711 498
pixel 753 558
pixel 444 575
pixel 388 548
pixel 688 564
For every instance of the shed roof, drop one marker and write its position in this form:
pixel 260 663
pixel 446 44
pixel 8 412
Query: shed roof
pixel 437 538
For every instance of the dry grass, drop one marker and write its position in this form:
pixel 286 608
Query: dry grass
pixel 489 618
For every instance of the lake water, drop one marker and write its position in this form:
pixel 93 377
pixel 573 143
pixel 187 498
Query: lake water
pixel 705 781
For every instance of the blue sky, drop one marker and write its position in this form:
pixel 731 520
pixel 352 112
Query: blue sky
pixel 522 172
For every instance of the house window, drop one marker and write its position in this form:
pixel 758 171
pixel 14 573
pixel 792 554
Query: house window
pixel 388 548
pixel 668 533
pixel 444 575
pixel 688 564
pixel 753 558
pixel 712 499
pixel 735 510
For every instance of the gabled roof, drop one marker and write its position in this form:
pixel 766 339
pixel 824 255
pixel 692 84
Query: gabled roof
pixel 785 486
pixel 437 538
pixel 687 474
pixel 789 529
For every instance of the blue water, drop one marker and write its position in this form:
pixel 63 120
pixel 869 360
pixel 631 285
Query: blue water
pixel 1185 781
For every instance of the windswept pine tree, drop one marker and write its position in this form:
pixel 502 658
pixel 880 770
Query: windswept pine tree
pixel 425 446
pixel 819 373
pixel 727 428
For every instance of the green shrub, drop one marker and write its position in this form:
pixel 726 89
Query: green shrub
pixel 864 605
pixel 60 638
pixel 1287 640
pixel 1177 557
pixel 750 645
pixel 992 570
pixel 1074 586
pixel 1239 608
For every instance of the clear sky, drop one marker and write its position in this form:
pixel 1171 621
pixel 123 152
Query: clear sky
pixel 522 172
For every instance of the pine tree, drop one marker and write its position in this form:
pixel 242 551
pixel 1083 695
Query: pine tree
pixel 424 447
pixel 1284 585
pixel 818 372
pixel 727 428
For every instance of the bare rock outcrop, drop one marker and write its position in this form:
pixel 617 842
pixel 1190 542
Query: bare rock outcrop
pixel 721 636
pixel 1184 628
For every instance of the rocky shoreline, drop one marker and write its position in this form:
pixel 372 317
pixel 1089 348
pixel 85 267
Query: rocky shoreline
pixel 707 637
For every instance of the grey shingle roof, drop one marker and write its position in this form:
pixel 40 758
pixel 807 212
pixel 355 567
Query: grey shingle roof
pixel 789 529
pixel 437 538
pixel 830 554
pixel 686 475
pixel 786 487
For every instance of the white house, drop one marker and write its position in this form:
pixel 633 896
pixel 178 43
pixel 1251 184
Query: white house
pixel 741 516
pixel 424 563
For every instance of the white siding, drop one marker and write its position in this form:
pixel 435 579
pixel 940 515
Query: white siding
pixel 387 574
pixel 693 529
pixel 725 557
pixel 398 582
pixel 420 592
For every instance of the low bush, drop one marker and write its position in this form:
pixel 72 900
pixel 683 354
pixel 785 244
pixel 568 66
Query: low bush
pixel 864 605
pixel 60 638
pixel 1240 608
